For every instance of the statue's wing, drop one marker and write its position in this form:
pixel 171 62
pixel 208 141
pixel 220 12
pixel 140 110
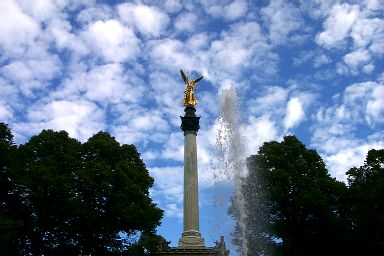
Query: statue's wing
pixel 184 76
pixel 198 79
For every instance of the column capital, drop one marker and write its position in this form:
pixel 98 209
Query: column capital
pixel 190 122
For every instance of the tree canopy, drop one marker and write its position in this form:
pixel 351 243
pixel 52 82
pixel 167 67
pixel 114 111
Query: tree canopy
pixel 294 207
pixel 62 197
pixel 366 186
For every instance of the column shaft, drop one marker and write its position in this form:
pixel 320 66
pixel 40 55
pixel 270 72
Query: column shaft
pixel 191 236
pixel 191 201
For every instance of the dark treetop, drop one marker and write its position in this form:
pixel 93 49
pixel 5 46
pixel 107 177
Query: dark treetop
pixel 62 197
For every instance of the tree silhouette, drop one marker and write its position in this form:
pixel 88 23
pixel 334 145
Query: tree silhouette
pixel 76 199
pixel 293 206
pixel 366 185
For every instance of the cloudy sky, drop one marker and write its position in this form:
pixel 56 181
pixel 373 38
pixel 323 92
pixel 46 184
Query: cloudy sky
pixel 312 68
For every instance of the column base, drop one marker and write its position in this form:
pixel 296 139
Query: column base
pixel 191 238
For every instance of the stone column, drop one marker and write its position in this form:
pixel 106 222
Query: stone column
pixel 191 236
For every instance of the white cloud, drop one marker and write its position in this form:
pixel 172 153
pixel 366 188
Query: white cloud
pixel 32 74
pixel 213 8
pixel 260 130
pixel 173 5
pixel 274 111
pixel 359 104
pixel 380 77
pixel 80 119
pixel 356 58
pixel 173 210
pixel 168 189
pixel 141 126
pixel 304 56
pixel 167 94
pixel 25 70
pixel 272 100
pixel 345 159
pixel 93 12
pixel 235 10
pixel 61 33
pixel 285 105
pixel 230 53
pixel 149 121
pixel 342 69
pixel 321 60
pixel 347 152
pixel 43 10
pixel 148 20
pixel 10 94
pixel 282 20
pixel 17 29
pixel 106 84
pixel 366 31
pixel 5 112
pixel 375 105
pixel 358 96
pixel 317 8
pixel 294 113
pixel 360 24
pixel 242 47
pixel 374 4
pixel 199 42
pixel 149 129
pixel 186 22
pixel 127 136
pixel 368 68
pixel 338 25
pixel 336 133
pixel 173 149
pixel 317 57
pixel 149 155
pixel 170 53
pixel 18 71
pixel 205 141
pixel 112 40
pixel 230 12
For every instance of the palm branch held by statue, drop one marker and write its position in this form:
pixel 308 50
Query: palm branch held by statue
pixel 190 87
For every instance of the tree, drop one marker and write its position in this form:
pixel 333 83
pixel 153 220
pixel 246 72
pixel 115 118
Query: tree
pixel 9 224
pixel 47 181
pixel 293 206
pixel 114 187
pixel 81 199
pixel 366 186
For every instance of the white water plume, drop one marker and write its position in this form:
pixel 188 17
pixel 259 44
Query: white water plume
pixel 231 155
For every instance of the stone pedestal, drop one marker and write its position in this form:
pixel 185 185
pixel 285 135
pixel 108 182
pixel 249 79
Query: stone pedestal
pixel 218 250
pixel 190 252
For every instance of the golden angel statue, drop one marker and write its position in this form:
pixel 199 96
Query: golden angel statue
pixel 190 87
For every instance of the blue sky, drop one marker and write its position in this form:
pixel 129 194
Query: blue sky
pixel 312 68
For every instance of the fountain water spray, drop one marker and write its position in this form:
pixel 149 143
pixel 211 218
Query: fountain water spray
pixel 231 154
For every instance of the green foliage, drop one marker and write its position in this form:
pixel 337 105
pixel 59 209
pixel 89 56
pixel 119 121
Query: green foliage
pixel 9 223
pixel 293 206
pixel 70 198
pixel 366 185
